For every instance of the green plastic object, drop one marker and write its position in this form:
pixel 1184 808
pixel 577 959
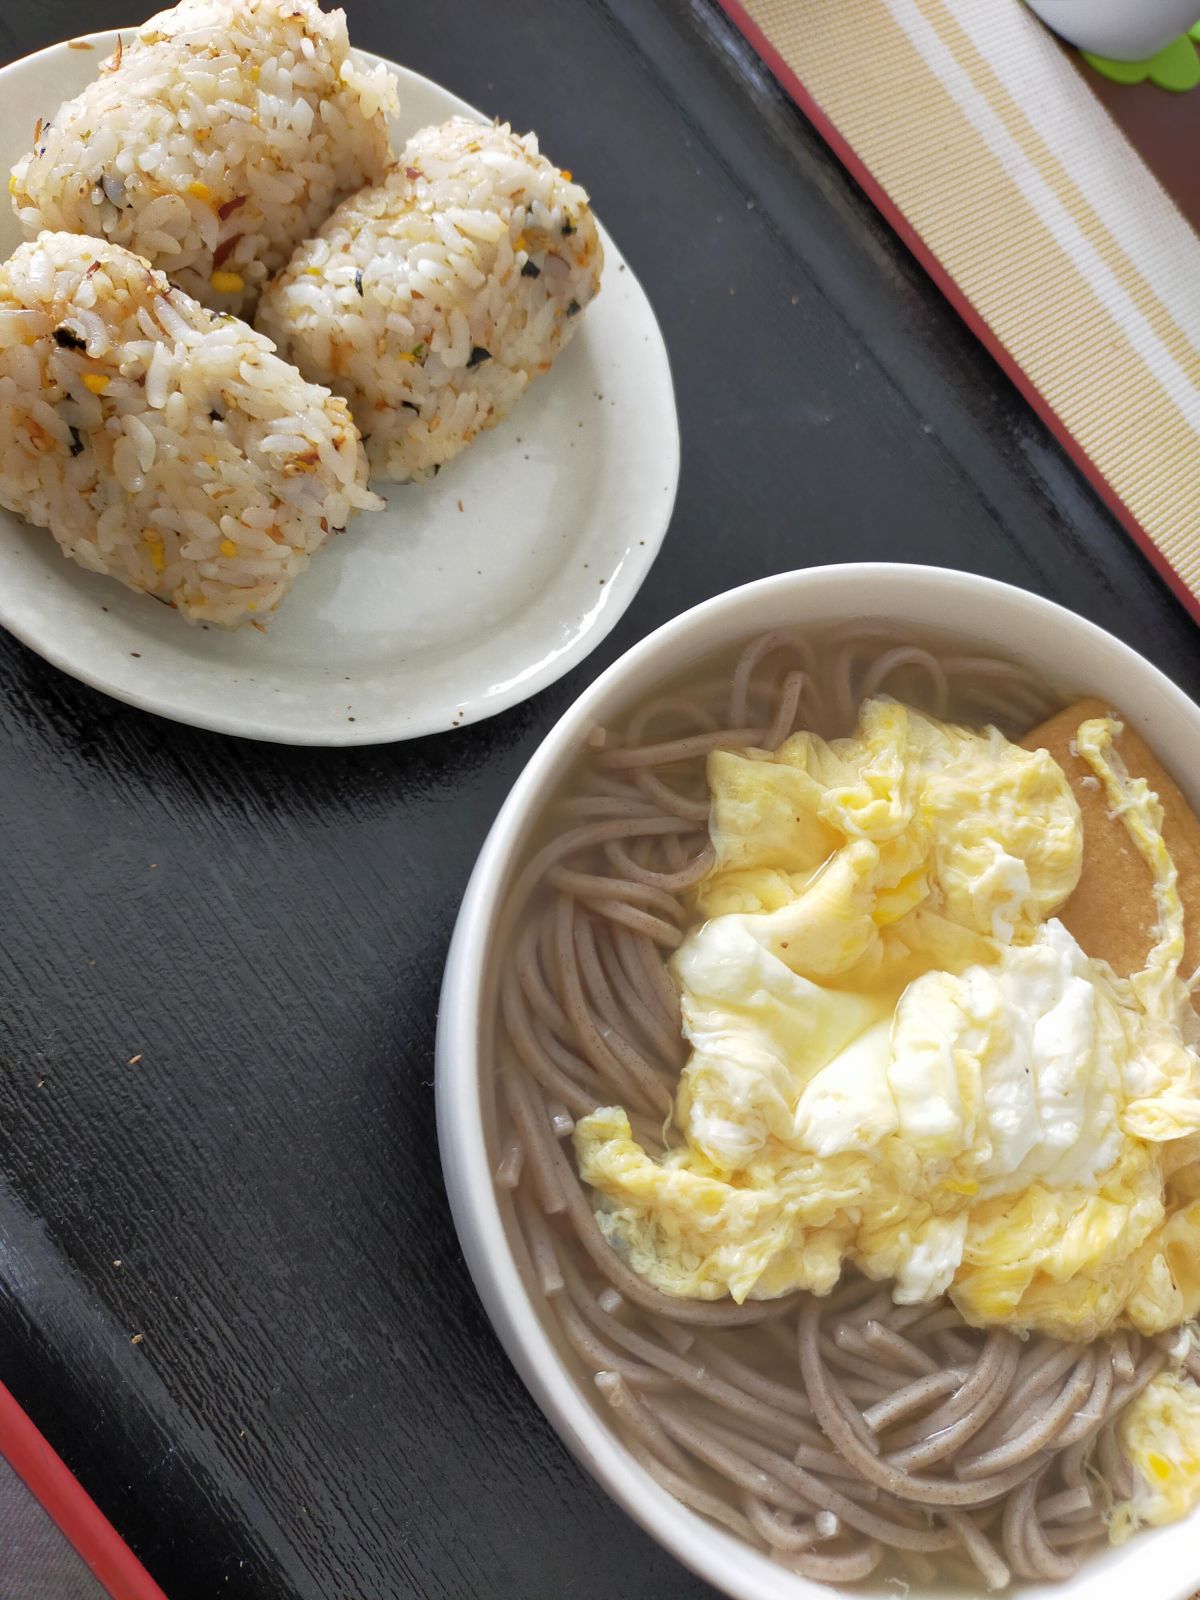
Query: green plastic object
pixel 1175 67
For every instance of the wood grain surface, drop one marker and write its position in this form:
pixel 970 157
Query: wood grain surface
pixel 220 961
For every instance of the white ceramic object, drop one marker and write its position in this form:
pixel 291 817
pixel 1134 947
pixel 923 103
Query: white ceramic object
pixel 1072 654
pixel 465 596
pixel 1123 30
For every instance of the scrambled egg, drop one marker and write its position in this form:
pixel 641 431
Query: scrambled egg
pixel 899 1059
pixel 1160 1436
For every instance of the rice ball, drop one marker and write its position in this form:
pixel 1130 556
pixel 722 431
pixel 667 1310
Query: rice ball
pixel 163 444
pixel 214 140
pixel 432 300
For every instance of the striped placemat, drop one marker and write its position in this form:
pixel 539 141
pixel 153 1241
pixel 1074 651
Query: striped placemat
pixel 971 130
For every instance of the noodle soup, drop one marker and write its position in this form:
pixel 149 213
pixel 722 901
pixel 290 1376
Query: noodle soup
pixel 839 1327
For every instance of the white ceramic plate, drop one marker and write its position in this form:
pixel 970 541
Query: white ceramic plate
pixel 463 597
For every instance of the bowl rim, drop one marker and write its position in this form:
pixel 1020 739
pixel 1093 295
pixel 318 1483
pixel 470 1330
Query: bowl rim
pixel 715 1555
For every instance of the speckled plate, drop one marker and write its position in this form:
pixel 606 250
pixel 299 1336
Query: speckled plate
pixel 465 596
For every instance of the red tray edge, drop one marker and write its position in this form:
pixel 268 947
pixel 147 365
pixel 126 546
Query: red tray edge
pixel 72 1509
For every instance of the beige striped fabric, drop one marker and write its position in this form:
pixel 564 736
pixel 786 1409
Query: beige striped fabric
pixel 992 147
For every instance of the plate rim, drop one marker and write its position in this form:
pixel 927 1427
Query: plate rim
pixel 256 726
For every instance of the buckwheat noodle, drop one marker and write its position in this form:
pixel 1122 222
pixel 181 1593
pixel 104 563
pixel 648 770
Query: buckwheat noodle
pixel 835 1433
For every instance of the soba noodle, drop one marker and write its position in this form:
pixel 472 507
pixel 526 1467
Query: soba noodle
pixel 835 1433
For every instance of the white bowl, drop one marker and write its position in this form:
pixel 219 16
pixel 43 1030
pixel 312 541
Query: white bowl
pixel 1124 30
pixel 1073 655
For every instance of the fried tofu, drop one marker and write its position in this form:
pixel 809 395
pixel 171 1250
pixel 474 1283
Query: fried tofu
pixel 1112 912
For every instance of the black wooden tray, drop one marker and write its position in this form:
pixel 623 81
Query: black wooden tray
pixel 317 1406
